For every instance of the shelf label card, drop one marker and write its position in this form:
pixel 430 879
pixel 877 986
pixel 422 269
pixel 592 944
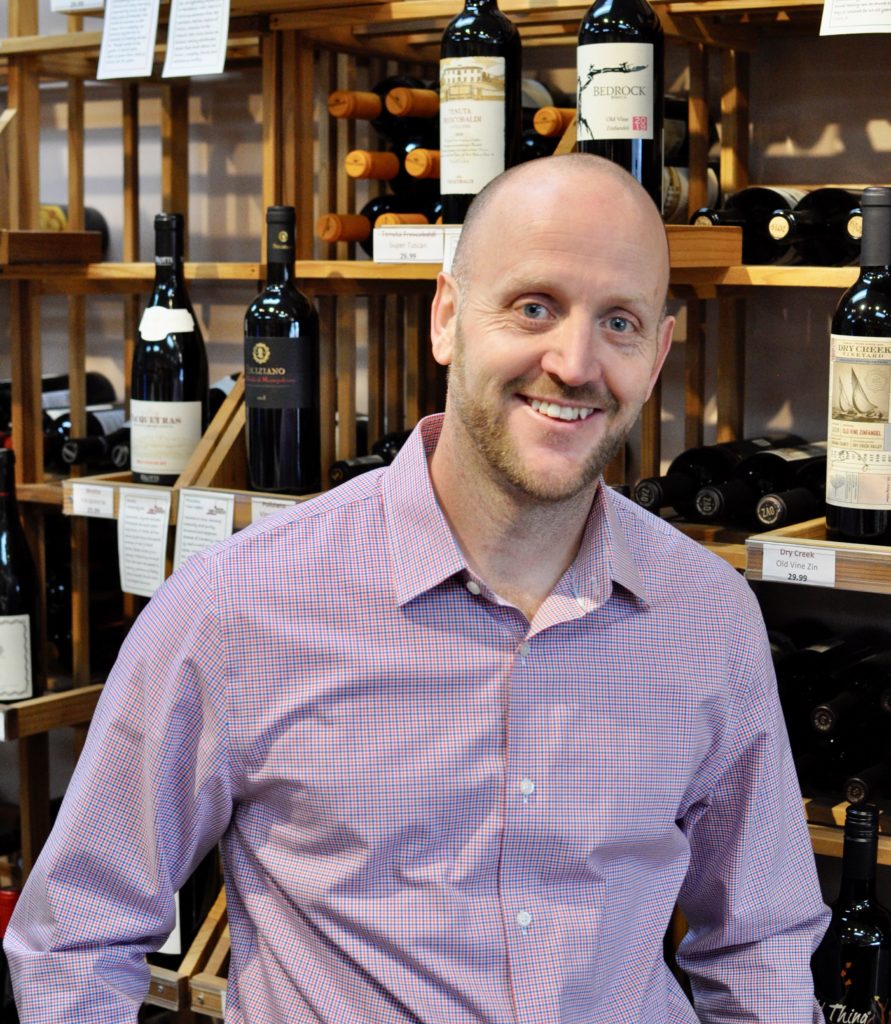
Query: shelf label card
pixel 789 563
pixel 196 38
pixel 263 507
pixel 848 17
pixel 408 243
pixel 128 39
pixel 143 519
pixel 95 500
pixel 203 518
pixel 73 6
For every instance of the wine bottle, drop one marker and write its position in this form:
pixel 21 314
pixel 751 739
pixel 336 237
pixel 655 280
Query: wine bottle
pixel 96 449
pixel 8 1014
pixel 19 677
pixel 346 469
pixel 371 106
pixel 696 468
pixel 534 146
pixel 858 477
pixel 407 102
pixel 804 500
pixel 676 190
pixel 358 227
pixel 389 166
pixel 423 163
pixel 852 965
pixel 751 209
pixel 168 382
pixel 101 421
pixel 872 783
pixel 480 109
pixel 620 60
pixel 768 471
pixel 820 229
pixel 281 375
pixel 552 122
pixel 56 394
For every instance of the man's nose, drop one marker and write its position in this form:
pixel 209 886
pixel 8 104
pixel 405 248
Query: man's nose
pixel 573 354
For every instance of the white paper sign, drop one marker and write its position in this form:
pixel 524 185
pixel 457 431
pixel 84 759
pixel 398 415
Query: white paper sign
pixel 73 6
pixel 408 243
pixel 450 235
pixel 203 518
pixel 96 500
pixel 128 39
pixel 790 563
pixel 263 507
pixel 197 38
pixel 143 519
pixel 849 17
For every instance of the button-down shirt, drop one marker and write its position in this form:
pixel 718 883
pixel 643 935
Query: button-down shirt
pixel 431 810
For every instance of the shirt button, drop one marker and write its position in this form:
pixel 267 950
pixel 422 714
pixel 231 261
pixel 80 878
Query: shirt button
pixel 524 919
pixel 527 787
pixel 473 587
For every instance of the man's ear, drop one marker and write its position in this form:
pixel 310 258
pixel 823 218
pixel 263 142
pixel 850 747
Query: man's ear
pixel 666 330
pixel 443 317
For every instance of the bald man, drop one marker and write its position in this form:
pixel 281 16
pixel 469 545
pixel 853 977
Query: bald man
pixel 468 728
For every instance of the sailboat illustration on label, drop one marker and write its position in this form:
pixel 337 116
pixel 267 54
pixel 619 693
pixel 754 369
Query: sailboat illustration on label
pixel 850 400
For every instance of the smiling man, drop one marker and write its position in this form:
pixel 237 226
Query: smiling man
pixel 468 728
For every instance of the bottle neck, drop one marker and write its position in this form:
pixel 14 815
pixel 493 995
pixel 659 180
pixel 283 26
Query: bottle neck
pixel 279 268
pixel 875 246
pixel 480 6
pixel 859 869
pixel 168 255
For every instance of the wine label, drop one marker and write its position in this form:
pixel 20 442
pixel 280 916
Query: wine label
pixel 472 93
pixel 159 321
pixel 858 469
pixel 16 682
pixel 615 91
pixel 274 377
pixel 162 436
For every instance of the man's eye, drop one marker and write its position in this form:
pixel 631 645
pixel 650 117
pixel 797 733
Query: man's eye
pixel 619 324
pixel 534 310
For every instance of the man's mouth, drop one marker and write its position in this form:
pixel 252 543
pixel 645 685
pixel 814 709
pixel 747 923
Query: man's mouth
pixel 555 411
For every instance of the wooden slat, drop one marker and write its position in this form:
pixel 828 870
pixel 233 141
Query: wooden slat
pixel 731 368
pixel 694 373
pixel 175 151
pixel 734 166
pixel 203 467
pixel 345 326
pixel 697 127
pixel 6 120
pixel 51 711
pixel 651 433
pixel 302 112
pixel 271 127
pixel 28 247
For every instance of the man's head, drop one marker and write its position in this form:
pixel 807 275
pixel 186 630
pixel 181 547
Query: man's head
pixel 552 323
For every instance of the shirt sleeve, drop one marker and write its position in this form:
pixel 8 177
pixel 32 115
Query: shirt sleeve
pixel 150 796
pixel 751 895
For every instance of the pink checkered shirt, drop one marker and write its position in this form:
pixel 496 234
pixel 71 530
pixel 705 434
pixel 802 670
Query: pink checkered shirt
pixel 429 809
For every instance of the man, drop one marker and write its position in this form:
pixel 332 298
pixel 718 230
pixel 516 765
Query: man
pixel 467 728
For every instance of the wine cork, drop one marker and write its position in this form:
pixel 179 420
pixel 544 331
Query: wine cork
pixel 423 163
pixel 343 227
pixel 552 121
pixel 389 219
pixel 405 102
pixel 367 163
pixel 344 103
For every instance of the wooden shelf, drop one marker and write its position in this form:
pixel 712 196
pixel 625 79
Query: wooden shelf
pixel 49 247
pixel 864 567
pixel 826 824
pixel 51 711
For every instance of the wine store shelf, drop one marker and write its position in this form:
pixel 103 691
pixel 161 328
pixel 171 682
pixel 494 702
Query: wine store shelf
pixel 728 544
pixel 51 711
pixel 865 567
pixel 826 824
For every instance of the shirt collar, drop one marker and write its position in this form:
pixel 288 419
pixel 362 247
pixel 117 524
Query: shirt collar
pixel 424 552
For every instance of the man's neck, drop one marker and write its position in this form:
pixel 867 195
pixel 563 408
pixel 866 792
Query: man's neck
pixel 519 547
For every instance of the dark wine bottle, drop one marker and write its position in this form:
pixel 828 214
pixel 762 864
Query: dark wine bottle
pixel 480 117
pixel 403 101
pixel 852 965
pixel 8 1014
pixel 676 192
pixel 872 783
pixel 389 166
pixel 359 227
pixel 281 375
pixel 751 209
pixel 372 106
pixel 534 146
pixel 621 88
pixel 552 122
pixel 768 471
pixel 19 676
pixel 423 163
pixel 820 230
pixel 804 500
pixel 168 382
pixel 101 421
pixel 346 469
pixel 56 393
pixel 858 481
pixel 696 468
pixel 95 450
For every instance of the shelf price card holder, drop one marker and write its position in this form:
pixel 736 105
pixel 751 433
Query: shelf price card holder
pixel 854 17
pixel 197 38
pixel 203 518
pixel 143 520
pixel 128 39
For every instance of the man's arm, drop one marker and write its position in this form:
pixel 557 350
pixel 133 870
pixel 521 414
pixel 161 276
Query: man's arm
pixel 751 895
pixel 149 797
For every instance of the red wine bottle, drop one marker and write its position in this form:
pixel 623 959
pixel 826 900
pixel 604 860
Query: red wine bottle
pixel 359 227
pixel 96 449
pixel 19 677
pixel 480 115
pixel 168 382
pixel 621 88
pixel 281 372
pixel 858 472
pixel 819 229
pixel 852 965
pixel 751 209
pixel 805 499
pixel 372 106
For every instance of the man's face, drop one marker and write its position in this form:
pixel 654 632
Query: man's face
pixel 557 340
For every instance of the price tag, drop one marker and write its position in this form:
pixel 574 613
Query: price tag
pixel 96 500
pixel 203 518
pixel 143 519
pixel 408 243
pixel 263 507
pixel 791 564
